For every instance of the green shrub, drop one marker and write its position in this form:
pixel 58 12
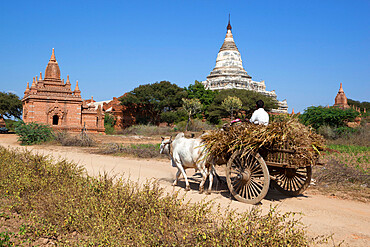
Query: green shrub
pixel 33 133
pixel 109 122
pixel 10 124
pixel 330 116
pixel 345 131
pixel 174 116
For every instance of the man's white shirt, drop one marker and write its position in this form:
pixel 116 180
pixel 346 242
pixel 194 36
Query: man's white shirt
pixel 260 116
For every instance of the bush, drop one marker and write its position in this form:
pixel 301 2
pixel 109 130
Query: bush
pixel 81 140
pixel 135 150
pixel 58 201
pixel 146 130
pixel 330 116
pixel 350 136
pixel 174 116
pixel 194 125
pixel 33 133
pixel 11 124
pixel 327 132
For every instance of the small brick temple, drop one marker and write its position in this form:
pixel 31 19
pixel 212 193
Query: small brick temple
pixel 51 101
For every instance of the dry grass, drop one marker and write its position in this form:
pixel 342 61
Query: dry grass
pixel 80 140
pixel 146 130
pixel 132 150
pixel 346 172
pixel 286 133
pixel 59 203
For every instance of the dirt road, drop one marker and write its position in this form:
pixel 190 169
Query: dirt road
pixel 323 215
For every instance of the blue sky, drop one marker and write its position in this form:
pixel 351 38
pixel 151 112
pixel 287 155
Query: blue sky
pixel 302 49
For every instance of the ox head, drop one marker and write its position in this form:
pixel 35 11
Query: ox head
pixel 165 145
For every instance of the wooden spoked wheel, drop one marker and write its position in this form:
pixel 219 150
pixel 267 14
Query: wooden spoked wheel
pixel 247 177
pixel 292 181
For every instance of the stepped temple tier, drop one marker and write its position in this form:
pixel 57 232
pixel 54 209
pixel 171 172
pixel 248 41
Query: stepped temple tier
pixel 51 101
pixel 229 73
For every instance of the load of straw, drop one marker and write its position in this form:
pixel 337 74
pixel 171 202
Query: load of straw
pixel 284 134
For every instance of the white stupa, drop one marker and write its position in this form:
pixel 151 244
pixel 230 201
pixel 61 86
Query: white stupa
pixel 229 73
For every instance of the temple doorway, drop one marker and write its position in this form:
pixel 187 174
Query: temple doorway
pixel 55 120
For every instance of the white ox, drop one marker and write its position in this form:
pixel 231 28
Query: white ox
pixel 188 153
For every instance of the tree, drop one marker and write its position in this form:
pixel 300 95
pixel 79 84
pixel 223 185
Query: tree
pixel 232 104
pixel 10 105
pixel 248 98
pixel 155 98
pixel 192 107
pixel 327 116
pixel 198 91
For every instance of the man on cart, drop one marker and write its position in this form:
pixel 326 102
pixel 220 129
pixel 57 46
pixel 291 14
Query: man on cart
pixel 260 116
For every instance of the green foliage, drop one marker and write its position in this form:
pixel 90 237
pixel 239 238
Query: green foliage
pixel 109 122
pixel 5 239
pixel 156 98
pixel 362 105
pixel 174 116
pixel 248 98
pixel 33 133
pixel 58 201
pixel 330 116
pixel 10 105
pixel 349 148
pixel 197 91
pixel 232 104
pixel 10 124
pixel 192 107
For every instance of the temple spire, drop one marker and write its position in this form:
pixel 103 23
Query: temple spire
pixel 40 76
pixel 52 58
pixel 77 91
pixel 229 25
pixel 27 89
pixel 33 83
pixel 68 82
pixel 341 89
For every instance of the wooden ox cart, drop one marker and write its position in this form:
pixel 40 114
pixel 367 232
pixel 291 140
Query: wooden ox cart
pixel 281 154
pixel 249 174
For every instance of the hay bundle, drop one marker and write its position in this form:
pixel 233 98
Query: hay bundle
pixel 285 134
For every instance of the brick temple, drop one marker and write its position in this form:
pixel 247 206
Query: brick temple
pixel 51 101
pixel 341 99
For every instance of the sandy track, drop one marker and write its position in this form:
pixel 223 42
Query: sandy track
pixel 347 220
